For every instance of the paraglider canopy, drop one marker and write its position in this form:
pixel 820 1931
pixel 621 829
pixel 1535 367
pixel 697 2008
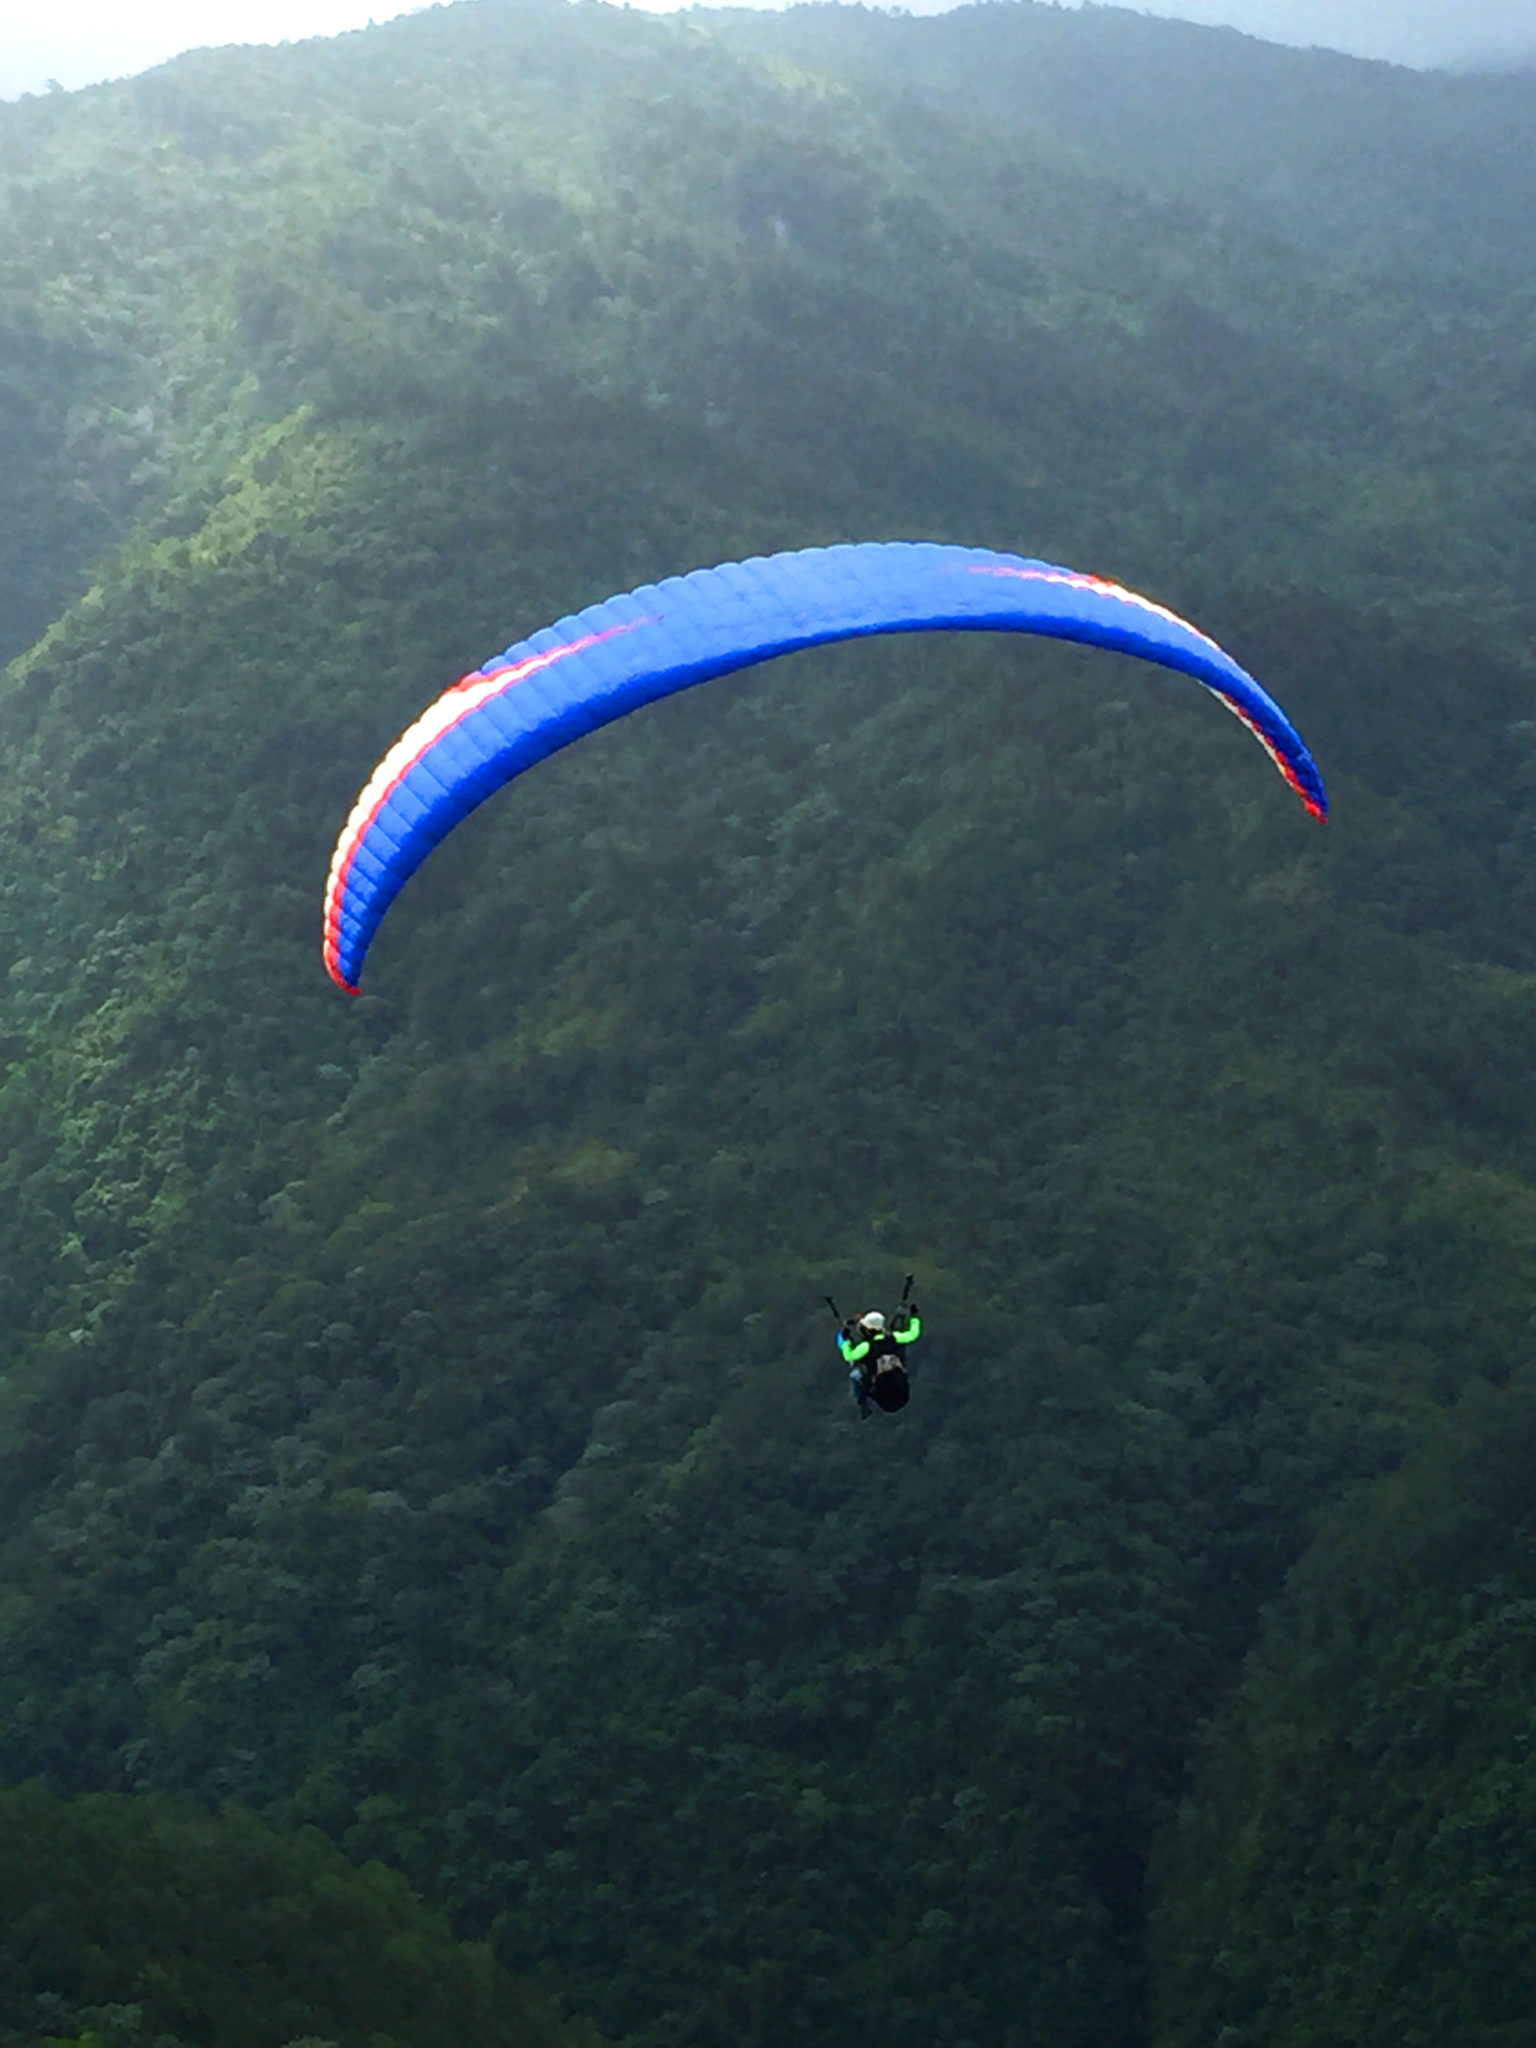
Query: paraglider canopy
pixel 574 676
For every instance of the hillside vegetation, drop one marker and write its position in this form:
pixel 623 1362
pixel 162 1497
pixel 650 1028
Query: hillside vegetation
pixel 136 1920
pixel 419 1418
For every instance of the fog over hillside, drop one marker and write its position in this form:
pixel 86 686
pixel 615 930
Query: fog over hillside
pixel 81 42
pixel 1448 34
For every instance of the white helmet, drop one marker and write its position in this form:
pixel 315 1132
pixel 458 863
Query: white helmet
pixel 874 1322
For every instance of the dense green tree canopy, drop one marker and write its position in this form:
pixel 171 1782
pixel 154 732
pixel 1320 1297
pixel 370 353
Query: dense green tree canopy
pixel 417 1418
pixel 127 1921
pixel 1356 1864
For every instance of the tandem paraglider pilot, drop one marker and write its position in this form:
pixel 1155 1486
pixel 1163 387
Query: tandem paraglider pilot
pixel 874 1352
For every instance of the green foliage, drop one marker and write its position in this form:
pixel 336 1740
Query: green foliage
pixel 416 1419
pixel 137 1921
pixel 1355 1864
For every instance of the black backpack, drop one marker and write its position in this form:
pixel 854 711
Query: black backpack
pixel 889 1389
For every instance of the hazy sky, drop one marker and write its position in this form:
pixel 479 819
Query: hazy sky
pixel 80 41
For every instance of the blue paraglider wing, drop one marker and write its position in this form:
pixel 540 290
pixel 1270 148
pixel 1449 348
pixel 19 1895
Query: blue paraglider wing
pixel 649 643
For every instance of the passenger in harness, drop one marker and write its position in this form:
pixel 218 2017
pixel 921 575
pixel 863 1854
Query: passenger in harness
pixel 875 1355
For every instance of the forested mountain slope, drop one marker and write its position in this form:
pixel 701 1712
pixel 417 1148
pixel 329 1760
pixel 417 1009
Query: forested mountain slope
pixel 1390 169
pixel 139 1920
pixel 417 1416
pixel 1357 1866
